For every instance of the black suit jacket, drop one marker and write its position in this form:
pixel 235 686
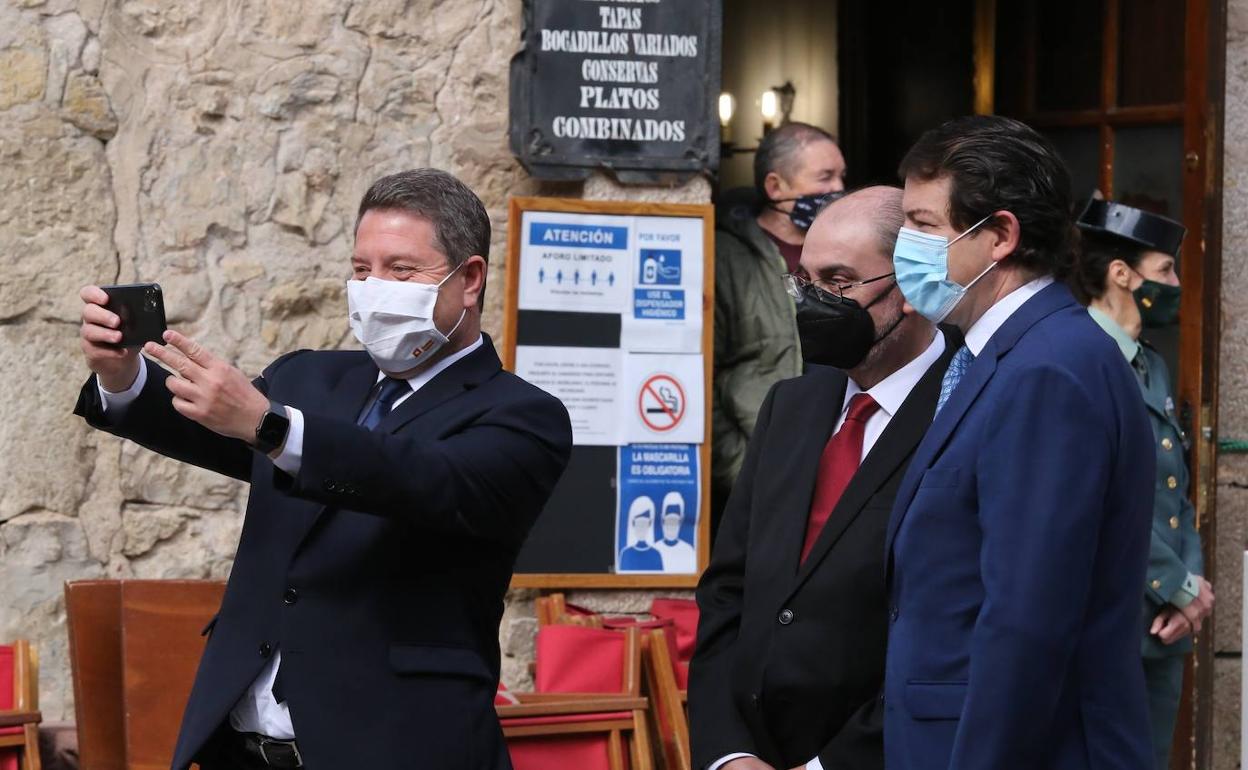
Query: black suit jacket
pixel 789 662
pixel 379 570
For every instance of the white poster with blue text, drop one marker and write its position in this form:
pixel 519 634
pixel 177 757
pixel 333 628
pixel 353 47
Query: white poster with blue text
pixel 576 262
pixel 659 495
pixel 665 307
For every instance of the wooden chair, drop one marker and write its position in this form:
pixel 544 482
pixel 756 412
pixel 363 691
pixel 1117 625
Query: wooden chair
pixel 665 676
pixel 554 609
pixel 684 616
pixel 19 707
pixel 134 647
pixel 587 711
pixel 670 718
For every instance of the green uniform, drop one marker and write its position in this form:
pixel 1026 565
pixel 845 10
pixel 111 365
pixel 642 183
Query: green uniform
pixel 1174 560
pixel 756 342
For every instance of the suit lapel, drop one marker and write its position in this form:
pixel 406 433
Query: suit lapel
pixel 973 382
pixel 1154 399
pixel 1051 299
pixel 476 367
pixel 792 480
pixel 349 395
pixel 904 432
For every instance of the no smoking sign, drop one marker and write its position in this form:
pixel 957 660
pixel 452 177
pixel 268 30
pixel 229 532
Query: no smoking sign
pixel 661 402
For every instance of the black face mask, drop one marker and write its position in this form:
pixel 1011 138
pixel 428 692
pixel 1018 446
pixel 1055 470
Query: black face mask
pixel 837 334
pixel 807 207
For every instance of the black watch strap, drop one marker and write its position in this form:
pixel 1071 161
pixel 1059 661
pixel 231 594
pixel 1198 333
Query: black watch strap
pixel 272 430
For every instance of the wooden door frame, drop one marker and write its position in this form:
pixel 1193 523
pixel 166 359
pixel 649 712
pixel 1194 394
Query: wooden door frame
pixel 1204 97
pixel 1201 266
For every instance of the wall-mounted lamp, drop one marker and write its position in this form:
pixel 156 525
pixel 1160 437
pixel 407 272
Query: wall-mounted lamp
pixel 769 105
pixel 727 108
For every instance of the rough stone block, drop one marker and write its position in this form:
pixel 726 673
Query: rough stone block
pixel 1226 719
pixel 48 452
pixel 23 75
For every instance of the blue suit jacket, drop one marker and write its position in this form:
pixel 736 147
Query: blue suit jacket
pixel 379 570
pixel 1016 548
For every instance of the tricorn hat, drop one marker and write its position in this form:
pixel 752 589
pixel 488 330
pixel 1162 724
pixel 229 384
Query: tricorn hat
pixel 1143 228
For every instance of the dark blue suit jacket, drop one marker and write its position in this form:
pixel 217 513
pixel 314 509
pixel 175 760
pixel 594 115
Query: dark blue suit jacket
pixel 1016 548
pixel 379 571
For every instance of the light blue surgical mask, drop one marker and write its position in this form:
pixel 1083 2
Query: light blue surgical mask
pixel 921 262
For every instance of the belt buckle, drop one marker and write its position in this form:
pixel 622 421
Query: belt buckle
pixel 265 741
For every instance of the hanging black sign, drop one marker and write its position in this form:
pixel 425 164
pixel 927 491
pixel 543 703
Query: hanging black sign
pixel 628 86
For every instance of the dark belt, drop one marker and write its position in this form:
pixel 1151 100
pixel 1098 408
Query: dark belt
pixel 271 751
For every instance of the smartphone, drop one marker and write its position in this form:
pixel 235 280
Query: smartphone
pixel 141 307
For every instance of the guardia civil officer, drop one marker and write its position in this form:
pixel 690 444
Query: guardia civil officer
pixel 1127 277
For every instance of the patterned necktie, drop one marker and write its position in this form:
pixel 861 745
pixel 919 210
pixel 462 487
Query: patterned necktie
pixel 962 361
pixel 390 391
pixel 837 466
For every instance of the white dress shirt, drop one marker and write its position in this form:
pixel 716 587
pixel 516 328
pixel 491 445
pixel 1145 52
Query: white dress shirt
pixel 890 393
pixel 996 316
pixel 258 711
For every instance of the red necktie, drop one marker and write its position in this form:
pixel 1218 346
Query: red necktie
pixel 837 466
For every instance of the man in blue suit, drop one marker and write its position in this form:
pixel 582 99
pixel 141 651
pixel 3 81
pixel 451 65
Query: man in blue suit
pixel 1020 534
pixel 391 489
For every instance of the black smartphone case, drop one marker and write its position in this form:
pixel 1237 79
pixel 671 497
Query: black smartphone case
pixel 141 307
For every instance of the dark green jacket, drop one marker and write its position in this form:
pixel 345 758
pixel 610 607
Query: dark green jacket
pixel 756 343
pixel 1174 558
pixel 1174 554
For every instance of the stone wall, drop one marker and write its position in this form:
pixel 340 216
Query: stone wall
pixel 220 149
pixel 1232 470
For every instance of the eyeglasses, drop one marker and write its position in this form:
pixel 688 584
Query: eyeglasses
pixel 799 286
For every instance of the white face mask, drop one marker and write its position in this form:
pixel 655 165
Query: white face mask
pixel 671 529
pixel 393 320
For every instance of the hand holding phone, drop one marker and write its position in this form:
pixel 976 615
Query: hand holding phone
pixel 102 337
pixel 141 309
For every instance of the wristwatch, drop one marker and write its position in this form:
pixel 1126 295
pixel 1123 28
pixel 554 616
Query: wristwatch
pixel 272 430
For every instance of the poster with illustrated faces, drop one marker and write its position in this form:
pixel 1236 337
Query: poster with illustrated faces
pixel 658 499
pixel 608 307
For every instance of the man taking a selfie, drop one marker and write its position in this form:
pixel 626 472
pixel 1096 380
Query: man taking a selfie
pixel 390 492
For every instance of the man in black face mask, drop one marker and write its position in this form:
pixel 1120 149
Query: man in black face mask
pixel 790 653
pixel 797 169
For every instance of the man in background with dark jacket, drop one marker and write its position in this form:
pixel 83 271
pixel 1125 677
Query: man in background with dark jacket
pixel 797 169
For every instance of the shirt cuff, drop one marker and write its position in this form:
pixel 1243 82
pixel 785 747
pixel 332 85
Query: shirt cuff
pixel 814 764
pixel 1186 593
pixel 291 456
pixel 726 759
pixel 117 402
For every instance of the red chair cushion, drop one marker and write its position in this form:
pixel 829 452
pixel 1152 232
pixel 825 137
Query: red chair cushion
pixel 9 759
pixel 684 613
pixel 579 659
pixel 503 696
pixel 552 752
pixel 10 730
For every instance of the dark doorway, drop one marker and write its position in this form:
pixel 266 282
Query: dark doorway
pixel 905 66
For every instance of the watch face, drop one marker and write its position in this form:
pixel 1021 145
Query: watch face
pixel 272 429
